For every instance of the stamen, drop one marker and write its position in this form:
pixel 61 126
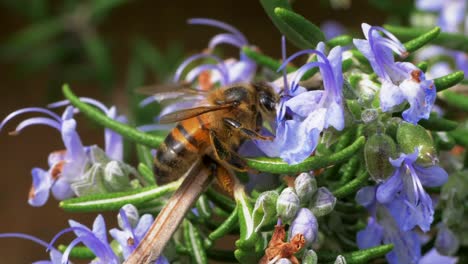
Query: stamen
pixel 226 38
pixel 29 110
pixel 218 24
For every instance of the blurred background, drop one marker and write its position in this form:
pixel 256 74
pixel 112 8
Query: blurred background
pixel 105 49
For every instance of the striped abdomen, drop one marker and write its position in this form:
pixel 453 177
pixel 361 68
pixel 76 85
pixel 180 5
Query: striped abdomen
pixel 184 145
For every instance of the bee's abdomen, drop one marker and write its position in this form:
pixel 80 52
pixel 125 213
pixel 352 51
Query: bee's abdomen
pixel 178 152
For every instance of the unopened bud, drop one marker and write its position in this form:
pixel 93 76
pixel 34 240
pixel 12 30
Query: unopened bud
pixel 378 150
pixel 132 215
pixel 411 136
pixel 305 224
pixel 323 202
pixel 309 257
pixel 287 205
pixel 369 115
pixel 305 186
pixel 265 209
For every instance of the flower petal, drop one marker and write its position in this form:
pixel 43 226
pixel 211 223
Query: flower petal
pixel 42 182
pixel 433 176
pixel 387 191
pixel 371 236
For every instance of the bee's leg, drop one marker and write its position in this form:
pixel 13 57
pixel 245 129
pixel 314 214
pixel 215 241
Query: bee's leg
pixel 245 131
pixel 225 179
pixel 226 156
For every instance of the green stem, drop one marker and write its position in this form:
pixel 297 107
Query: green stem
pixel 114 201
pixel 276 165
pixel 126 131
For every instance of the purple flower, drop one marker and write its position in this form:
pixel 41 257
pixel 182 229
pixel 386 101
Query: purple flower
pixel 406 184
pixel 383 229
pixel 70 170
pixel 228 71
pixel 434 257
pixel 209 75
pixel 55 255
pixel 451 12
pixel 401 81
pixel 306 224
pixel 302 115
pixel 96 239
pixel 133 230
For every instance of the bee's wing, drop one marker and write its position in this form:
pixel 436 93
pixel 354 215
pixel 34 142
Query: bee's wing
pixel 162 92
pixel 192 112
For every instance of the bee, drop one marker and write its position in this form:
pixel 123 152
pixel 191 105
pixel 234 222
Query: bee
pixel 215 130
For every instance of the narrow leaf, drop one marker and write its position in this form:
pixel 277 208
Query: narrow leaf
pixel 449 80
pixel 455 99
pixel 448 40
pixel 277 165
pixel 125 130
pixel 422 40
pixel 299 30
pixel 436 123
pixel 114 201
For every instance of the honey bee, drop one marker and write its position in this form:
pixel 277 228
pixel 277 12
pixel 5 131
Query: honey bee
pixel 215 130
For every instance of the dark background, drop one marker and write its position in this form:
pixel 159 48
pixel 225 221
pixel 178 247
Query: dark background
pixel 160 22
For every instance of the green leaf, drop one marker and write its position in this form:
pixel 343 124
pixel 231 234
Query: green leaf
pixel 31 37
pixel 448 40
pixel 460 136
pixel 228 225
pixel 145 157
pixel 277 165
pixel 436 123
pixel 365 255
pixel 422 40
pixel 352 186
pixel 147 174
pixel 101 8
pixel 114 201
pixel 449 80
pixel 342 40
pixel 194 242
pixel 126 131
pixel 454 99
pixel 98 54
pixel 299 30
pixel 78 252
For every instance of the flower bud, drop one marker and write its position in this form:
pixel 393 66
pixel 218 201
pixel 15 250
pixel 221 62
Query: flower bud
pixel 305 186
pixel 305 224
pixel 132 216
pixel 411 136
pixel 340 260
pixel 377 151
pixel 287 205
pixel 265 209
pixel 309 257
pixel 323 202
pixel 369 115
